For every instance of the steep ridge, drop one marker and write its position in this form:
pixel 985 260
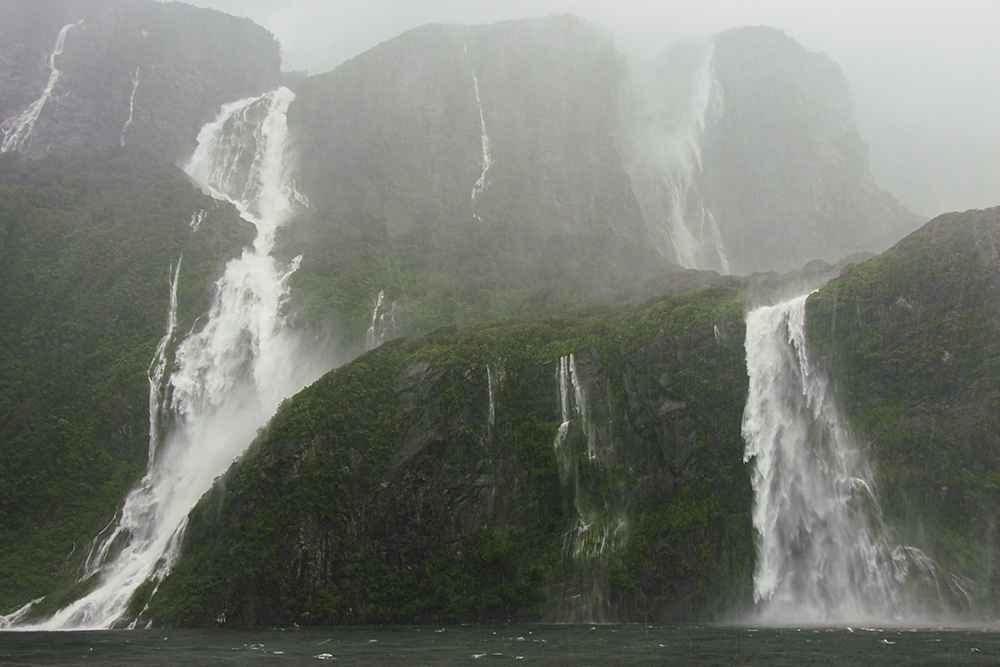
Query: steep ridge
pixel 593 464
pixel 133 73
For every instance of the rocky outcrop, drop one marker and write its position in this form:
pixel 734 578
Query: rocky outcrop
pixel 133 73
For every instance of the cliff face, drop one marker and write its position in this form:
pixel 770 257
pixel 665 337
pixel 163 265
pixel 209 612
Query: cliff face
pixel 784 169
pixel 130 72
pixel 585 468
pixel 745 156
pixel 912 339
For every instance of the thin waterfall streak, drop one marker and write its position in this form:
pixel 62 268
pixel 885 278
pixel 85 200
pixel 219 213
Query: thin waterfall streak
pixel 131 105
pixel 19 129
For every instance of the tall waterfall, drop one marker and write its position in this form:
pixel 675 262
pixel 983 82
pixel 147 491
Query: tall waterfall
pixel 228 378
pixel 823 555
pixel 662 154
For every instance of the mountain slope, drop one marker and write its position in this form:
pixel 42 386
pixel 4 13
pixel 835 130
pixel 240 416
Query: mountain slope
pixel 133 73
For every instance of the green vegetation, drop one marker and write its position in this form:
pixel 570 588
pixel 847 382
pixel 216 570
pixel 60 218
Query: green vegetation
pixel 86 247
pixel 384 493
pixel 912 339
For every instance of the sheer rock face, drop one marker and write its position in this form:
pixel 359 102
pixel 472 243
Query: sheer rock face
pixel 400 130
pixel 784 169
pixel 187 62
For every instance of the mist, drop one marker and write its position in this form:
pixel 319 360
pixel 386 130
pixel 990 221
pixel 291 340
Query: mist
pixel 923 74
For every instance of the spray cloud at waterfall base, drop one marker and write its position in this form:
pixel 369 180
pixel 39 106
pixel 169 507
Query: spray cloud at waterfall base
pixel 824 555
pixel 228 377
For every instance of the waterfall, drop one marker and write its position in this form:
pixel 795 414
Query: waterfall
pixel 17 130
pixel 600 528
pixel 131 106
pixel 663 158
pixel 823 554
pixel 228 378
pixel 380 327
pixel 487 159
pixel 197 218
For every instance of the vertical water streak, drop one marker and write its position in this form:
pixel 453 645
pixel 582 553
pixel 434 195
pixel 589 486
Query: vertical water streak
pixel 197 218
pixel 158 366
pixel 492 385
pixel 372 338
pixel 822 556
pixel 18 130
pixel 11 619
pixel 228 378
pixel 599 531
pixel 487 159
pixel 131 106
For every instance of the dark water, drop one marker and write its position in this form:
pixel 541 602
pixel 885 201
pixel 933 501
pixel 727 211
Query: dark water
pixel 532 644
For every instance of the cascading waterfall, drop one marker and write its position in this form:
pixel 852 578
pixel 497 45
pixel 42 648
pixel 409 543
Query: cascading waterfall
pixel 599 531
pixel 823 555
pixel 228 378
pixel 380 327
pixel 131 106
pixel 663 158
pixel 17 130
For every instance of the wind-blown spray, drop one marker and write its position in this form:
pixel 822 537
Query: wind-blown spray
pixel 662 154
pixel 228 378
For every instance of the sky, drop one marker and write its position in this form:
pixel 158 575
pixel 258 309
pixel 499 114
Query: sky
pixel 925 73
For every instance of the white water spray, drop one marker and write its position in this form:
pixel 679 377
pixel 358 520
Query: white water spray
pixel 822 554
pixel 17 130
pixel 663 156
pixel 131 106
pixel 229 377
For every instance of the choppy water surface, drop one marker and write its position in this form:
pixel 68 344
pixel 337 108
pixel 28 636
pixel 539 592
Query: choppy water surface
pixel 478 645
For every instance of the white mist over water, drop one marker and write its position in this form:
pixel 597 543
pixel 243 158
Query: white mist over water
pixel 17 130
pixel 228 378
pixel 823 555
pixel 662 155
